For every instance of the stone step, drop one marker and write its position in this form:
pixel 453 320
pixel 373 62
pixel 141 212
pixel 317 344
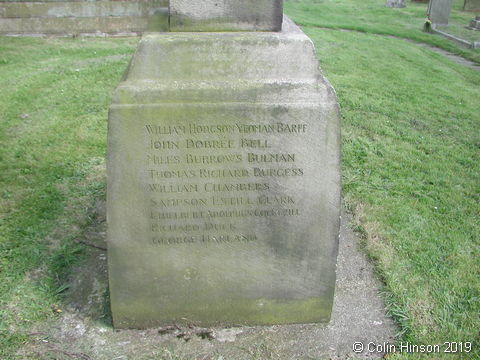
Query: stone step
pixel 137 92
pixel 242 62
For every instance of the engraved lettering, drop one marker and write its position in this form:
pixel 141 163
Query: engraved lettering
pixel 253 213
pixel 173 188
pixel 162 160
pixel 277 172
pixel 218 227
pixel 209 144
pixel 277 200
pixel 178 202
pixel 211 129
pixel 291 128
pixel 167 174
pixel 223 173
pixel 174 227
pixel 211 187
pixel 254 143
pixel 165 130
pixel 268 158
pixel 232 201
pixel 203 216
pixel 173 240
pixel 157 215
pixel 163 144
pixel 213 159
pixel 248 129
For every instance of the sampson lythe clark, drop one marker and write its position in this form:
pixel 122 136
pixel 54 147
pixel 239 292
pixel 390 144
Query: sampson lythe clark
pixel 223 200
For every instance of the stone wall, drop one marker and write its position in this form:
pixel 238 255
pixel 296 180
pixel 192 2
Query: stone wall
pixel 98 17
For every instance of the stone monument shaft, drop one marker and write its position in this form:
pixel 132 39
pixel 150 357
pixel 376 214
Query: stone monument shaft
pixel 223 173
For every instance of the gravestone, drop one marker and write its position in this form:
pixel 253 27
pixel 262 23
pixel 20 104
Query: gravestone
pixel 223 176
pixel 475 23
pixel 439 11
pixel 396 3
pixel 471 5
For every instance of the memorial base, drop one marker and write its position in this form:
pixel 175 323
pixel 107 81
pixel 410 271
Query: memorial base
pixel 223 182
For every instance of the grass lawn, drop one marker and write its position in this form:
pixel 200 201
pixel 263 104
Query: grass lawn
pixel 411 155
pixel 459 30
pixel 458 22
pixel 371 16
pixel 457 25
pixel 411 173
pixel 53 111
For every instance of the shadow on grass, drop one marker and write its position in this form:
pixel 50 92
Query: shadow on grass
pixel 81 271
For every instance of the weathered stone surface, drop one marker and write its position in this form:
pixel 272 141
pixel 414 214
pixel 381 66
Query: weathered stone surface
pixel 395 3
pixel 62 9
pixel 439 11
pixel 471 5
pixel 226 15
pixel 223 182
pixel 88 25
pixel 83 17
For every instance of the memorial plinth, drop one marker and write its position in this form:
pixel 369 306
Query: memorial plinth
pixel 223 182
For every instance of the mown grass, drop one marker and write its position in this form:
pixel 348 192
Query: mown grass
pixel 371 16
pixel 459 30
pixel 411 141
pixel 410 165
pixel 458 21
pixel 53 111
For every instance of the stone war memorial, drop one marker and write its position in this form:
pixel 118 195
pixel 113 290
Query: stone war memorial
pixel 223 202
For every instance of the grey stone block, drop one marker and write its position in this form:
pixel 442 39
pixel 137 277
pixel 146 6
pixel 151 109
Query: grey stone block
pixel 81 9
pixel 226 15
pixel 87 25
pixel 223 182
pixel 396 3
pixel 82 17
